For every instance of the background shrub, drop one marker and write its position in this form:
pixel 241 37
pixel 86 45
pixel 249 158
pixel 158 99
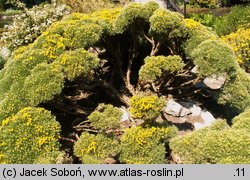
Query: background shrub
pixel 88 6
pixel 240 42
pixel 29 25
pixel 205 19
pixel 238 17
pixel 204 3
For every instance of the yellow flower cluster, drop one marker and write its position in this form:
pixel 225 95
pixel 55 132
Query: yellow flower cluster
pixel 54 45
pixel 240 42
pixel 107 15
pixel 192 24
pixel 143 136
pixel 146 107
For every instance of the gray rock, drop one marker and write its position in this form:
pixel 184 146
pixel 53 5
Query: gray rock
pixel 207 117
pixel 198 125
pixel 196 110
pixel 125 116
pixel 195 70
pixel 215 82
pixel 175 109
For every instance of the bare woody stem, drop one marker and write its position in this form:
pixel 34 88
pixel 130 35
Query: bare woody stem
pixel 155 45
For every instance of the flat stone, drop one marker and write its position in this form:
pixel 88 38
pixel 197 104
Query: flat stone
pixel 207 117
pixel 195 70
pixel 125 116
pixel 175 109
pixel 198 125
pixel 196 110
pixel 215 82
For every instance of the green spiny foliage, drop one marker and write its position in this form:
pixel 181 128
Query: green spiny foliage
pixel 213 145
pixel 242 121
pixel 106 117
pixel 80 34
pixel 44 82
pixel 29 135
pixel 106 19
pixel 19 67
pixel 163 21
pixel 48 159
pixel 157 67
pixel 145 145
pixel 96 149
pixel 77 63
pixel 12 102
pixel 214 58
pixel 146 107
pixel 52 45
pixel 219 125
pixel 197 33
pixel 68 34
pixel 27 81
pixel 133 12
pixel 236 92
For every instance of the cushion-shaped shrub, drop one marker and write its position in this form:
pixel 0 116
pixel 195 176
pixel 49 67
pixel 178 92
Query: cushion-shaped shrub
pixel 106 117
pixel 236 92
pixel 77 63
pixel 163 21
pixel 146 107
pixel 242 121
pixel 156 67
pixel 133 12
pixel 197 33
pixel 212 145
pixel 44 82
pixel 96 149
pixel 145 145
pixel 214 58
pixel 29 135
